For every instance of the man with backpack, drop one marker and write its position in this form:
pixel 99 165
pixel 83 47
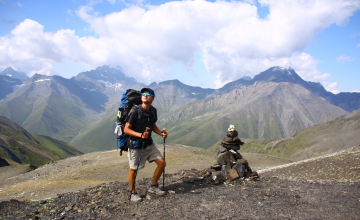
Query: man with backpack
pixel 142 147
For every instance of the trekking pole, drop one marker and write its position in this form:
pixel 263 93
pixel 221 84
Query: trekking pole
pixel 142 149
pixel 164 131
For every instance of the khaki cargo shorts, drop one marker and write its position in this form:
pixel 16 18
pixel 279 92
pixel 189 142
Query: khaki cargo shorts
pixel 150 153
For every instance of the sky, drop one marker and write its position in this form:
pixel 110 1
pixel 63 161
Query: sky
pixel 201 43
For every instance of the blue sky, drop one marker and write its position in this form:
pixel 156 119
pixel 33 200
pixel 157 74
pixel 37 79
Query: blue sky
pixel 201 43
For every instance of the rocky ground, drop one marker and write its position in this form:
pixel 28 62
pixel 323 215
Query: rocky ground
pixel 267 198
pixel 277 194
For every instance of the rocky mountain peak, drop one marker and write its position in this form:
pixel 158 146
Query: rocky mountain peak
pixel 10 72
pixel 105 74
pixel 175 82
pixel 279 74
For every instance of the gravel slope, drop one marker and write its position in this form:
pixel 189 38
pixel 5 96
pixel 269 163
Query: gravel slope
pixel 270 197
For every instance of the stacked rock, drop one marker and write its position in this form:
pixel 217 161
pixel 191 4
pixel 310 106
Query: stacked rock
pixel 230 164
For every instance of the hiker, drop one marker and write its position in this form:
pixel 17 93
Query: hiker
pixel 141 143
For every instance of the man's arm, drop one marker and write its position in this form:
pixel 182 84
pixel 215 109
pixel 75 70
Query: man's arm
pixel 130 132
pixel 157 131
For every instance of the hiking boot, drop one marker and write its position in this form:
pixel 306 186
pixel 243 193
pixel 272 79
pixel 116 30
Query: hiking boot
pixel 135 197
pixel 155 189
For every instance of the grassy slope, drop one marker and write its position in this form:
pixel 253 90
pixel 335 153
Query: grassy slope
pixel 18 109
pixel 53 119
pixel 326 138
pixel 56 149
pixel 98 136
pixel 329 137
pixel 22 147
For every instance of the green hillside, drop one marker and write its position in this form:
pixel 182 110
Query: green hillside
pixel 43 105
pixel 56 149
pixel 326 138
pixel 22 147
pixel 329 137
pixel 97 136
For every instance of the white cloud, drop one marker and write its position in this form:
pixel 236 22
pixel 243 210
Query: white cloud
pixel 45 69
pixel 343 59
pixel 331 87
pixel 19 4
pixel 358 45
pixel 148 40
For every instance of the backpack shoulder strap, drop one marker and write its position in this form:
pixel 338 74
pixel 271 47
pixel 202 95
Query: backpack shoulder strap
pixel 153 111
pixel 138 109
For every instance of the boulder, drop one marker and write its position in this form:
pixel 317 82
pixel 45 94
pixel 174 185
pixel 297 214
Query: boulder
pixel 231 146
pixel 225 158
pixel 233 174
pixel 222 149
pixel 226 168
pixel 240 169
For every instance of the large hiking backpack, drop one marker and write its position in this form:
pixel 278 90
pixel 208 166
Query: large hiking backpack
pixel 129 99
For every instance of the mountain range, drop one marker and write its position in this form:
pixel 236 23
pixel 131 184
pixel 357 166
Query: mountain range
pixel 81 111
pixel 262 110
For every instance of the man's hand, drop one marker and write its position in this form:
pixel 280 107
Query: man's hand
pixel 164 135
pixel 145 135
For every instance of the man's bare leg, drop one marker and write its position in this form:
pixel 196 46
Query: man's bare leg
pixel 158 171
pixel 131 177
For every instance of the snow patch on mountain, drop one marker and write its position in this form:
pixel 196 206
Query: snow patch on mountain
pixel 115 86
pixel 41 80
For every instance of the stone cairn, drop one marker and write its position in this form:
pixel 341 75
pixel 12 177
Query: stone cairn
pixel 230 164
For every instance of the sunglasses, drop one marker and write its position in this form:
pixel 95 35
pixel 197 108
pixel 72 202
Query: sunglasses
pixel 147 94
